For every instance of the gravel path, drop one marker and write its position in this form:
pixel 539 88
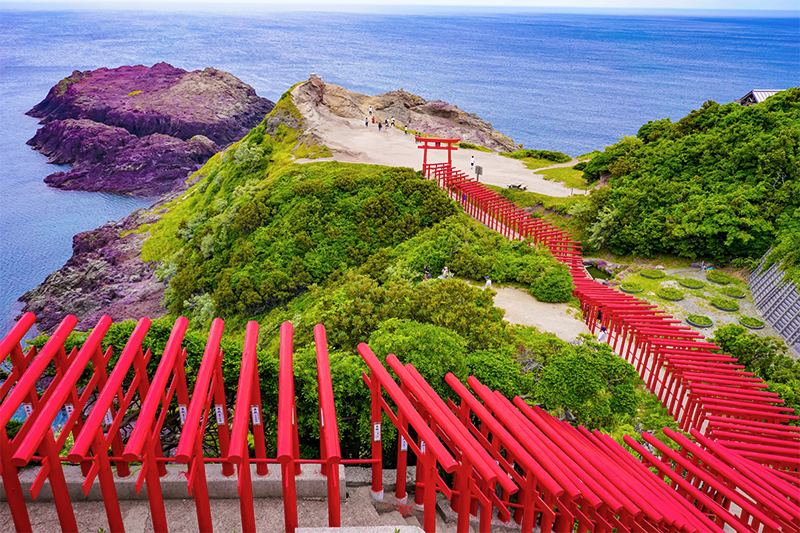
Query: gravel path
pixel 522 308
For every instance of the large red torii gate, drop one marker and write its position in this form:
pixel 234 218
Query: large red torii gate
pixel 436 143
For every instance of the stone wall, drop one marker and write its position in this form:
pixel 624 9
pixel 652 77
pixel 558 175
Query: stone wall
pixel 778 301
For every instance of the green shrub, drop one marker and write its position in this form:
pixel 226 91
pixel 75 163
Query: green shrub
pixel 581 166
pixel 752 322
pixel 432 350
pixel 554 286
pixel 590 381
pixel 669 293
pixel 691 283
pixel 700 320
pixel 12 428
pixel 652 273
pixel 499 370
pixel 557 157
pixel 735 292
pixel 725 304
pixel 470 146
pixel 631 286
pixel 718 277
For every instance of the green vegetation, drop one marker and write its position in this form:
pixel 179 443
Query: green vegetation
pixel 766 358
pixel 786 250
pixel 669 293
pixel 631 286
pixel 700 320
pixel 735 292
pixel 569 176
pixel 592 382
pixel 722 183
pixel 548 155
pixel 725 304
pixel 691 283
pixel 478 147
pixel 718 277
pixel 534 159
pixel 751 322
pixel 652 273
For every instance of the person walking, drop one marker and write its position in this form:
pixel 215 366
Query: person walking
pixel 427 272
pixel 472 161
pixel 405 130
pixel 393 122
pixel 603 336
pixel 366 122
pixel 379 126
pixel 373 120
pixel 370 110
pixel 488 283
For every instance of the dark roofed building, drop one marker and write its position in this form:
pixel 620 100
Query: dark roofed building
pixel 756 96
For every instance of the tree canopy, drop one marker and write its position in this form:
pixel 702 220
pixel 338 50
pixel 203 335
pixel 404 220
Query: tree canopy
pixel 722 183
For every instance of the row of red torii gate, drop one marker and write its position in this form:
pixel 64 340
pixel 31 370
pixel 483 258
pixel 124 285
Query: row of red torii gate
pixel 740 469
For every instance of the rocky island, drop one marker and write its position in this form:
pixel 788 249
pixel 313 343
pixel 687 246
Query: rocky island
pixel 141 130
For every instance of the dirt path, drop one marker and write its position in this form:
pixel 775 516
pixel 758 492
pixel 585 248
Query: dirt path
pixel 522 308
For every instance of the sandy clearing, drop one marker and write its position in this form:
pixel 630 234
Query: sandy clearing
pixel 353 142
pixel 522 308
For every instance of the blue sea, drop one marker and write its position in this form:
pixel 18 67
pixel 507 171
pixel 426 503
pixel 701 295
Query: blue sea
pixel 561 81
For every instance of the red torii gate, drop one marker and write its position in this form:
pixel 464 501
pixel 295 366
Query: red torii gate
pixel 435 143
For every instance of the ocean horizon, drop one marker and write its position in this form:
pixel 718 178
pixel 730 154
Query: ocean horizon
pixel 566 81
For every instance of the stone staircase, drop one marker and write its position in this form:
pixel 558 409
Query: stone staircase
pixel 360 512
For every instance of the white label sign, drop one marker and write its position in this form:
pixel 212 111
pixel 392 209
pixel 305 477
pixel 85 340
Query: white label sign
pixel 109 418
pixel 422 446
pixel 220 415
pixel 182 411
pixel 376 432
pixel 321 418
pixel 69 409
pixel 256 415
pixel 28 409
pixel 403 444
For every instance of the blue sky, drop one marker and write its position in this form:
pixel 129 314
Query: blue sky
pixel 728 5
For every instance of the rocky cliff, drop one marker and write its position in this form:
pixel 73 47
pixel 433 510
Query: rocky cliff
pixel 104 276
pixel 431 117
pixel 141 130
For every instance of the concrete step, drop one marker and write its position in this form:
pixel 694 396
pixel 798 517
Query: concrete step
pixel 310 484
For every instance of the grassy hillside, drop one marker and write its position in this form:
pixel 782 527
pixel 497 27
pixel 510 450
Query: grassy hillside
pixel 721 183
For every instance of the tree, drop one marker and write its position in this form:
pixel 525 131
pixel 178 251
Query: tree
pixel 591 381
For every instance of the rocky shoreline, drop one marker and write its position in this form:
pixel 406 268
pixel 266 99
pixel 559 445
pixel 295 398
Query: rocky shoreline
pixel 104 276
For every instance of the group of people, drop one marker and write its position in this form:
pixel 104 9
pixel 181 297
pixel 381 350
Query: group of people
pixel 385 124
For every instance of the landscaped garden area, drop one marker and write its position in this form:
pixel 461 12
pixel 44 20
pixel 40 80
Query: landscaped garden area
pixel 704 300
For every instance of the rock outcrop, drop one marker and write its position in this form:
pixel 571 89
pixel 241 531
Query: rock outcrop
pixel 141 130
pixel 432 117
pixel 104 276
pixel 110 159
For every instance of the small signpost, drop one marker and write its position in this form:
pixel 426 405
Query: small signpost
pixel 478 172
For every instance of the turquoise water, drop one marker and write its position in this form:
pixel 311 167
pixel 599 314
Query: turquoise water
pixel 568 82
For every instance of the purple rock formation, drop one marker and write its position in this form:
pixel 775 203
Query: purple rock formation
pixel 158 99
pixel 107 158
pixel 141 130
